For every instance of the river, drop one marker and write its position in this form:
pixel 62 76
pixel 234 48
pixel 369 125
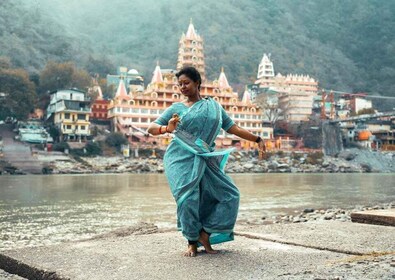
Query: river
pixel 42 210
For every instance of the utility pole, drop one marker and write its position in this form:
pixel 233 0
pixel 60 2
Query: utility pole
pixel 332 100
pixel 323 113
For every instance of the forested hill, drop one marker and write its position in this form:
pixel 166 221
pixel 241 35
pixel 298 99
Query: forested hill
pixel 348 45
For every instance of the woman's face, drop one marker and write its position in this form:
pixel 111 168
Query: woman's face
pixel 187 86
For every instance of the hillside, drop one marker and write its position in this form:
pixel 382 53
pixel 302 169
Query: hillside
pixel 347 45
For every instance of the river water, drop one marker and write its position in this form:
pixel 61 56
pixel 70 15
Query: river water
pixel 42 210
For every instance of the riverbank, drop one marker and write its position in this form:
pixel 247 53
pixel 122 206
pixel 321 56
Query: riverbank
pixel 348 161
pixel 21 158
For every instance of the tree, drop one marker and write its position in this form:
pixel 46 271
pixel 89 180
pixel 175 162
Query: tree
pixel 102 67
pixel 116 139
pixel 18 97
pixel 63 76
pixel 272 109
pixel 5 62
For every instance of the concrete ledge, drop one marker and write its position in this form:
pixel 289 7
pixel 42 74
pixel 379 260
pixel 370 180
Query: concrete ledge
pixel 376 217
pixel 16 267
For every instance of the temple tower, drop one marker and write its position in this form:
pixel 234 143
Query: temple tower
pixel 190 51
pixel 265 70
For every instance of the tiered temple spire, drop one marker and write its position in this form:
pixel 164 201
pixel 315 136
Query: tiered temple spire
pixel 157 75
pixel 222 80
pixel 190 51
pixel 121 91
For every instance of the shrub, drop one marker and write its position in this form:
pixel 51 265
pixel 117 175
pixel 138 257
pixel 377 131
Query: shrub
pixel 296 156
pixel 60 147
pixel 315 158
pixel 93 149
pixel 116 140
pixel 280 153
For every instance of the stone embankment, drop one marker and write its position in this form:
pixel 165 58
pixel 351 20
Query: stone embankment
pixel 348 161
pixel 312 215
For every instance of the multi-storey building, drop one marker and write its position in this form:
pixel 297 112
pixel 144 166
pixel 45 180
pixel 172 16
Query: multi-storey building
pixel 295 93
pixel 99 107
pixel 190 51
pixel 70 111
pixel 132 112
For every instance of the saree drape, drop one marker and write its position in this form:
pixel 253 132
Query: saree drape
pixel 206 197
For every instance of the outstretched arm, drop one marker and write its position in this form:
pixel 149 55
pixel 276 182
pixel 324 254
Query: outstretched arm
pixel 245 134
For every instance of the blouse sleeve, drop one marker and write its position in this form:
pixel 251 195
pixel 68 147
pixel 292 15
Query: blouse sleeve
pixel 227 122
pixel 166 116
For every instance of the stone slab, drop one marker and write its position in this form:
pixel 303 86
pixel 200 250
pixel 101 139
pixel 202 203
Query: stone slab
pixel 159 256
pixel 384 217
pixel 336 236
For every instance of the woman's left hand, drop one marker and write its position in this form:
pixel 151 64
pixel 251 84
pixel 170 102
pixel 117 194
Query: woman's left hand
pixel 261 148
pixel 173 122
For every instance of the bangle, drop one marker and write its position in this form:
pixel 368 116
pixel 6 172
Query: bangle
pixel 167 130
pixel 160 129
pixel 259 139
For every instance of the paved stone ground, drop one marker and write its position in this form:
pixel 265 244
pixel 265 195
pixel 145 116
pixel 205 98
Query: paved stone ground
pixel 317 250
pixel 7 276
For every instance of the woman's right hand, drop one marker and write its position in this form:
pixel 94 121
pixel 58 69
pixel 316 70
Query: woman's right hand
pixel 173 122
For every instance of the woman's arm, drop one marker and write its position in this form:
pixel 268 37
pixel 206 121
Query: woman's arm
pixel 245 134
pixel 157 129
pixel 242 133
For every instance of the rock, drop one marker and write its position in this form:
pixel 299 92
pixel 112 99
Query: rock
pixel 366 167
pixel 273 165
pixel 248 166
pixel 282 166
pixel 347 155
pixel 325 163
pixel 308 210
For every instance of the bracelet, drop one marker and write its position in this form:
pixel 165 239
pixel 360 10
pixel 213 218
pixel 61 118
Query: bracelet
pixel 160 129
pixel 259 139
pixel 167 130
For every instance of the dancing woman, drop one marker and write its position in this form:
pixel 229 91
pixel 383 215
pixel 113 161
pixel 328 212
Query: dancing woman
pixel 207 199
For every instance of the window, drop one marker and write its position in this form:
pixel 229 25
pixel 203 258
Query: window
pixel 81 117
pixel 68 127
pixel 265 134
pixel 82 127
pixel 67 116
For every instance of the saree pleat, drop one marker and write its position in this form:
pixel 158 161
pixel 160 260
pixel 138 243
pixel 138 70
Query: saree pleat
pixel 206 197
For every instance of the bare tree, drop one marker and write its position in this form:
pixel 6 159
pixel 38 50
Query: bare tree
pixel 273 110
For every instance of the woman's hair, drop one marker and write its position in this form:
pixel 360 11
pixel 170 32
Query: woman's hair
pixel 191 73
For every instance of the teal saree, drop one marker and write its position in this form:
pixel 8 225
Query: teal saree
pixel 206 197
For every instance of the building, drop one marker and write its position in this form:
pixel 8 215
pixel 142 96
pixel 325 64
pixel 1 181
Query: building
pixel 69 111
pixel 133 81
pixel 99 107
pixel 132 112
pixel 295 93
pixel 354 102
pixel 190 51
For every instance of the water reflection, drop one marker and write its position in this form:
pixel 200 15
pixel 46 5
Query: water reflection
pixel 38 210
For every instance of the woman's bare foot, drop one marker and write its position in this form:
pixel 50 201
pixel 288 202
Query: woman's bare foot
pixel 204 239
pixel 192 251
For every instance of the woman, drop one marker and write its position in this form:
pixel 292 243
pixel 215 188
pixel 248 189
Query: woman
pixel 207 200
